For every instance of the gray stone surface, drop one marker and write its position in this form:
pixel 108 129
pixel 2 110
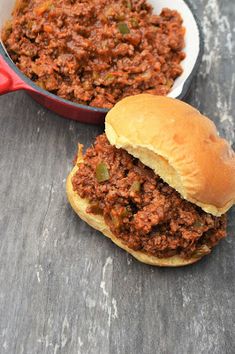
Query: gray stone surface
pixel 66 289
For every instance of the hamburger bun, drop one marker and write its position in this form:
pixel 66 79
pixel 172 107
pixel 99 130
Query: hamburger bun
pixel 181 146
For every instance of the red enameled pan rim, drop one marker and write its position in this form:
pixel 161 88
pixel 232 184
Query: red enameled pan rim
pixel 31 86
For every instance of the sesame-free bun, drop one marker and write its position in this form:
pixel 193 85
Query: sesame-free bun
pixel 180 144
pixel 80 206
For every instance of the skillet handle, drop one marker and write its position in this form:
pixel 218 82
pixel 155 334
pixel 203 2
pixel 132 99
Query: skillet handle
pixel 9 80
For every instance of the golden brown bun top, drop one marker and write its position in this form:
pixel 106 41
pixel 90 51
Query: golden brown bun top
pixel 181 145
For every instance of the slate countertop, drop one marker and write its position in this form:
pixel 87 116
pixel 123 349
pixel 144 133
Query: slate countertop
pixel 66 289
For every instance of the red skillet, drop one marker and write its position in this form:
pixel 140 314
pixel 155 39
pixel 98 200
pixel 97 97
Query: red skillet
pixel 12 79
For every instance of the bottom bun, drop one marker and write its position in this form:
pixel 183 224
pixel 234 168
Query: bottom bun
pixel 97 222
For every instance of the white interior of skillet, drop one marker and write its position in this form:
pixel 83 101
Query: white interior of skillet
pixel 192 39
pixel 6 7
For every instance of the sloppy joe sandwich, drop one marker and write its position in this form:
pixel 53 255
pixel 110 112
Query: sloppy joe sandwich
pixel 158 182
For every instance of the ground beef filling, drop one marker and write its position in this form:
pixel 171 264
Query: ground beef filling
pixel 140 208
pixel 96 52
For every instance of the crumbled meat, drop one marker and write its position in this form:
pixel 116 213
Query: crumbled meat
pixel 96 52
pixel 141 209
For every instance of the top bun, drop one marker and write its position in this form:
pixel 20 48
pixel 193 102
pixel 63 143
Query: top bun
pixel 181 145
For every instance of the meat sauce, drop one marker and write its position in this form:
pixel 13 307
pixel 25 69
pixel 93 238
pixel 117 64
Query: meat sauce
pixel 140 208
pixel 96 52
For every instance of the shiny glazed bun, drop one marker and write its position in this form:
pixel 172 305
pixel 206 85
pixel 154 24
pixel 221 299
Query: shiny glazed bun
pixel 181 145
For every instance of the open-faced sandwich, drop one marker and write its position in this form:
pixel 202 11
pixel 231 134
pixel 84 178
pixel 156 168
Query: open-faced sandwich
pixel 158 182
